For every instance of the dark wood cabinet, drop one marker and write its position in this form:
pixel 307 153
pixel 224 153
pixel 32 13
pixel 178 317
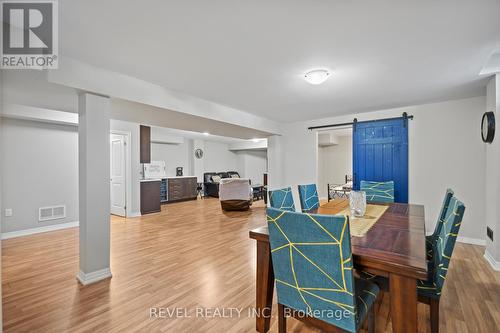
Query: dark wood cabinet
pixel 182 188
pixel 145 144
pixel 156 192
pixel 150 197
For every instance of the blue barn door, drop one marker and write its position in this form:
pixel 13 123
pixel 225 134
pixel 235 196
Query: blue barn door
pixel 380 153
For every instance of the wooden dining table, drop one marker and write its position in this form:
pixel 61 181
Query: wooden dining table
pixel 394 247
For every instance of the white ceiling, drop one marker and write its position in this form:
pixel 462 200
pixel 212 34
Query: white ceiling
pixel 251 55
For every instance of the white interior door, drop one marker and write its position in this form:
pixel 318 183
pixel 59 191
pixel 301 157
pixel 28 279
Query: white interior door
pixel 118 186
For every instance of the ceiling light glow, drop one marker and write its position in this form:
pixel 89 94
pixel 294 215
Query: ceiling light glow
pixel 317 76
pixel 206 133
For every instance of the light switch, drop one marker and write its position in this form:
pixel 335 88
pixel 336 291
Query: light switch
pixel 8 212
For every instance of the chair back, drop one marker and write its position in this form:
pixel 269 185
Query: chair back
pixel 282 199
pixel 445 242
pixel 222 175
pixel 308 195
pixel 312 263
pixel 233 174
pixel 442 213
pixel 235 189
pixel 378 191
pixel 207 176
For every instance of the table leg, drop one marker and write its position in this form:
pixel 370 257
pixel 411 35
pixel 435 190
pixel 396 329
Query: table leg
pixel 265 286
pixel 403 303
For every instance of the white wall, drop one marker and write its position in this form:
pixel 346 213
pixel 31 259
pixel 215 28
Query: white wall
pixel 275 166
pixel 492 186
pixel 334 163
pixel 445 151
pixel 174 155
pixel 252 164
pixel 218 157
pixel 39 168
pixel 198 164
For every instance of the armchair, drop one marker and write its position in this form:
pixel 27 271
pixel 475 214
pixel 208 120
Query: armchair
pixel 211 188
pixel 235 194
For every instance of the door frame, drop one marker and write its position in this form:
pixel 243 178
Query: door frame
pixel 128 169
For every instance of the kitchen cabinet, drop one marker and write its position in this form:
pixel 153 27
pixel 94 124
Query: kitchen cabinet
pixel 144 144
pixel 150 197
pixel 181 188
pixel 155 192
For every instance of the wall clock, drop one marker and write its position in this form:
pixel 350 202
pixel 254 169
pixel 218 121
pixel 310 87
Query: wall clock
pixel 198 153
pixel 488 127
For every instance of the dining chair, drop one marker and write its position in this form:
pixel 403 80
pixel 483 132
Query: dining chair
pixel 308 195
pixel 431 239
pixel 312 262
pixel 282 199
pixel 378 191
pixel 429 290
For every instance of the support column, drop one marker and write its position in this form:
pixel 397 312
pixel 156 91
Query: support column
pixel 1 189
pixel 94 192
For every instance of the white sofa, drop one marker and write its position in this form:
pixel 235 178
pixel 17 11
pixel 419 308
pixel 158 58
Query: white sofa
pixel 235 193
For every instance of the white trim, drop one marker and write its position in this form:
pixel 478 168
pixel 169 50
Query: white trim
pixel 32 231
pixel 134 214
pixel 493 263
pixel 128 169
pixel 473 241
pixel 92 277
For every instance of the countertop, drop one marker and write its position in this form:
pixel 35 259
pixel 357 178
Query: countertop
pixel 159 179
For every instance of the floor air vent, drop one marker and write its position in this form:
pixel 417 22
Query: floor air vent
pixel 51 213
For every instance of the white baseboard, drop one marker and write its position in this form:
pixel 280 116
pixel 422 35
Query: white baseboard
pixel 93 277
pixel 134 214
pixel 32 231
pixel 493 263
pixel 473 241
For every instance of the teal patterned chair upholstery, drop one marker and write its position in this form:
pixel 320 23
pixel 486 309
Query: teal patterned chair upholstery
pixel 312 263
pixel 308 195
pixel 429 291
pixel 443 249
pixel 282 199
pixel 378 191
pixel 431 239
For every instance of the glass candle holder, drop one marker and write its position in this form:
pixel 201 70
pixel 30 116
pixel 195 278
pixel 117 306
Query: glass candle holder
pixel 357 203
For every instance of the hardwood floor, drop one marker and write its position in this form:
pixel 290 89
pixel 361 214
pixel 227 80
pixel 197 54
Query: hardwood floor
pixel 190 256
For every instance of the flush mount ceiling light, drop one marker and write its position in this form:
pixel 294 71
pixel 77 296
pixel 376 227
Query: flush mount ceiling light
pixel 317 76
